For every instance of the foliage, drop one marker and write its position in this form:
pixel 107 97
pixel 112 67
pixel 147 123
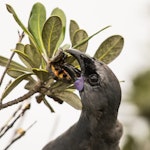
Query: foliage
pixel 141 95
pixel 46 36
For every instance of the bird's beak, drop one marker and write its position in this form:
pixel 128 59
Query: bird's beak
pixel 83 60
pixel 87 65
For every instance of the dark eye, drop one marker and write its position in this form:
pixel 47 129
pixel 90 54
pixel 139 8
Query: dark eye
pixel 93 79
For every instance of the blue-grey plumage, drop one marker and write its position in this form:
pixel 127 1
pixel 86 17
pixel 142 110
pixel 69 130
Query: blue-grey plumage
pixel 97 128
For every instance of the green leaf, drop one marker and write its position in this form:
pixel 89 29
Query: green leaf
pixel 11 10
pixel 13 64
pixel 70 98
pixel 15 73
pixel 58 12
pixel 59 86
pixel 20 46
pixel 51 34
pixel 33 54
pixel 79 36
pixel 25 59
pixel 140 94
pixel 48 105
pixel 110 49
pixel 12 85
pixel 43 75
pixel 73 27
pixel 36 22
pixel 31 84
pixel 87 39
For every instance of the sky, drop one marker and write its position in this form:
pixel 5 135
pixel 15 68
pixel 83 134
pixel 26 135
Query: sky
pixel 127 18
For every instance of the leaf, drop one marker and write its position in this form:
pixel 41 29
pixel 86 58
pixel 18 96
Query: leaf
pixel 31 84
pixel 48 105
pixel 36 22
pixel 139 95
pixel 25 59
pixel 79 36
pixel 51 33
pixel 73 27
pixel 59 86
pixel 70 98
pixel 88 38
pixel 33 54
pixel 12 85
pixel 13 64
pixel 11 10
pixel 110 49
pixel 43 75
pixel 15 73
pixel 58 12
pixel 20 46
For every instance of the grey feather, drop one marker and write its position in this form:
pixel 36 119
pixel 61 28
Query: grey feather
pixel 98 127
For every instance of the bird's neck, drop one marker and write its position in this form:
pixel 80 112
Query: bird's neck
pixel 99 128
pixel 98 119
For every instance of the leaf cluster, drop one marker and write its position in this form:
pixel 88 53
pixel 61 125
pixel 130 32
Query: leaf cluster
pixel 46 35
pixel 140 94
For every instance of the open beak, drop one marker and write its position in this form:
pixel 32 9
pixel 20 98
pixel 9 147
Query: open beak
pixel 87 66
pixel 78 55
pixel 86 63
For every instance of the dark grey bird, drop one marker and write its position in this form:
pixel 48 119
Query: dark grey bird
pixel 98 127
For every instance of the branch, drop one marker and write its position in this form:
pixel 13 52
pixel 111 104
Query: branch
pixel 27 107
pixel 21 36
pixel 12 116
pixel 18 100
pixel 22 133
pixel 14 140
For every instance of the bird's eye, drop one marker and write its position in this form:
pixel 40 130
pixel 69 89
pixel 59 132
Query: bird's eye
pixel 93 79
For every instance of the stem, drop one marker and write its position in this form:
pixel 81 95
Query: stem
pixel 21 36
pixel 14 140
pixel 20 136
pixel 9 126
pixel 18 100
pixel 88 38
pixel 7 66
pixel 12 116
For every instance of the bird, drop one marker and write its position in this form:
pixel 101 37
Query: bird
pixel 98 127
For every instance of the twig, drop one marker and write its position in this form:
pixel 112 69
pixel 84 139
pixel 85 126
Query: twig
pixel 18 100
pixel 21 36
pixel 12 116
pixel 31 126
pixel 15 139
pixel 21 135
pixel 12 124
pixel 7 66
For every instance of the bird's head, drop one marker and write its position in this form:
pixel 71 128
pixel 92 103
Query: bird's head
pixel 98 86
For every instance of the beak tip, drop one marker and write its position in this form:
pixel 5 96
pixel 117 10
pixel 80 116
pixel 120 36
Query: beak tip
pixel 80 57
pixel 73 51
